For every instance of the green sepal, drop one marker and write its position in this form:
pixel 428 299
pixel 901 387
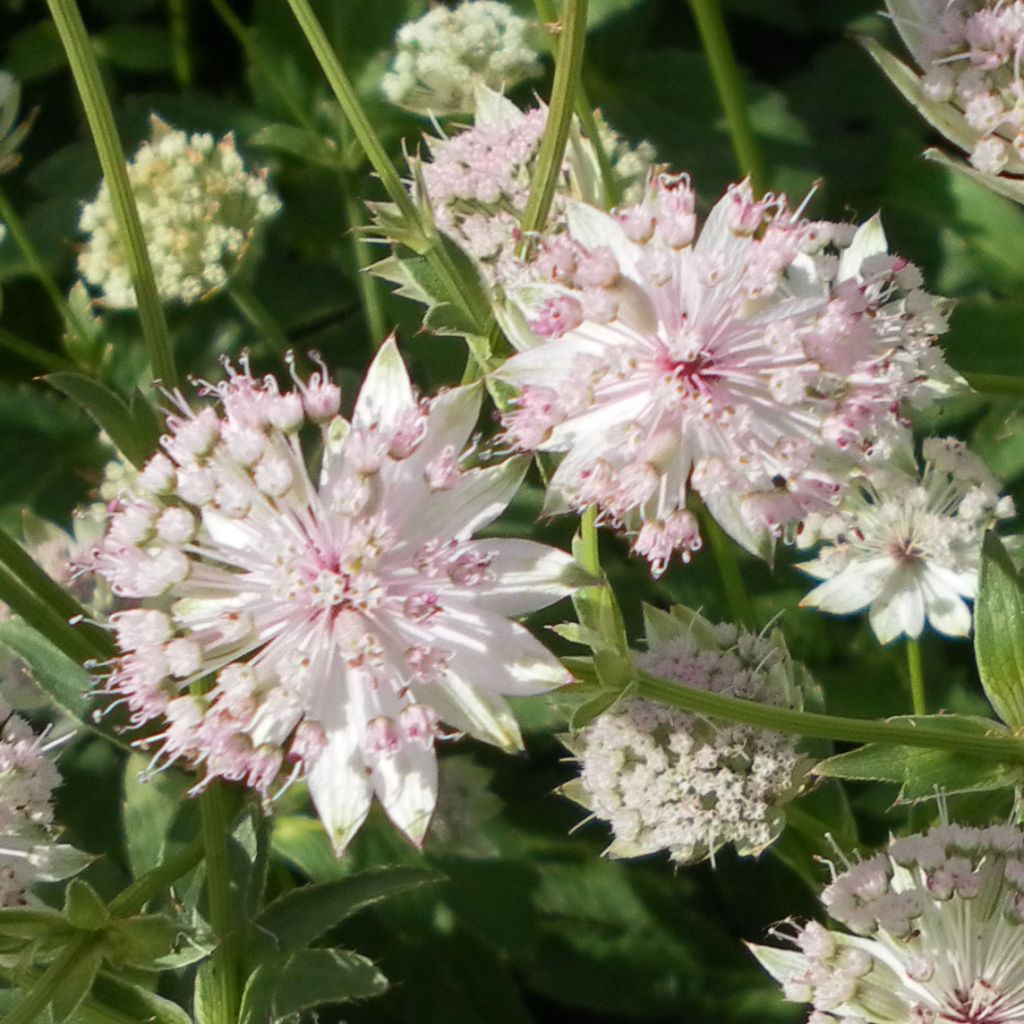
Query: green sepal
pixel 142 941
pixel 83 907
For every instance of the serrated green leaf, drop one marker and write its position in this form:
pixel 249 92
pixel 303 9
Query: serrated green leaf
pixel 305 979
pixel 999 632
pixel 134 1002
pixel 133 435
pixel 295 919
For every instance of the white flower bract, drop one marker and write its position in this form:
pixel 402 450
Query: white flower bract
pixel 664 779
pixel 445 55
pixel 341 621
pixel 753 362
pixel 200 210
pixel 935 935
pixel 908 546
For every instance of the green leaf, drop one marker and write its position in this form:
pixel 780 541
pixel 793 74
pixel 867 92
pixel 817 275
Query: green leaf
pixel 134 1002
pixel 33 923
pixel 151 804
pixel 134 47
pixel 63 679
pixel 999 632
pixel 76 983
pixel 142 941
pixel 132 434
pixel 305 979
pixel 83 907
pixel 295 919
pixel 298 142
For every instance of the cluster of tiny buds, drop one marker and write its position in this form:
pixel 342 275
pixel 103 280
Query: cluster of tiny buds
pixel 667 780
pixel 443 57
pixel 199 208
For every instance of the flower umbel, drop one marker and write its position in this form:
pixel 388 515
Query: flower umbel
pixel 200 210
pixel 341 622
pixel 667 780
pixel 907 546
pixel 28 777
pixel 753 362
pixel 936 923
pixel 443 56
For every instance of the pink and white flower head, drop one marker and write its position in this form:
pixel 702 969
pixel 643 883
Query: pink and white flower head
pixel 753 362
pixel 908 546
pixel 340 621
pixel 971 89
pixel 934 935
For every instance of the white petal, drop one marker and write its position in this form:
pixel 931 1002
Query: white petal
pixel 463 706
pixel 869 240
pixel 725 509
pixel 406 785
pixel 528 576
pixel 900 606
pixel 946 609
pixel 854 588
pixel 478 499
pixel 387 391
pixel 594 228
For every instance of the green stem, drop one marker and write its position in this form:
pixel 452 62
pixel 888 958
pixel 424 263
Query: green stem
pixel 724 553
pixel 1007 749
pixel 134 898
pixel 995 383
pixel 226 959
pixel 39 997
pixel 39 269
pixel 585 112
pixel 729 85
pixel 461 293
pixel 250 306
pixel 34 353
pixel 590 553
pixel 916 676
pixel 369 292
pixel 177 13
pixel 568 66
pixel 86 72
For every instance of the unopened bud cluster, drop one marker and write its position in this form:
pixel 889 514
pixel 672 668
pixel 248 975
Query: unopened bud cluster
pixel 668 780
pixel 200 210
pixel 442 57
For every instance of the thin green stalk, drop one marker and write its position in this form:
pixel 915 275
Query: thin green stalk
pixel 133 899
pixel 724 552
pixel 590 553
pixel 916 676
pixel 1007 749
pixel 177 14
pixel 249 305
pixel 585 112
pixel 39 270
pixel 39 997
pixel 226 960
pixel 33 353
pixel 729 86
pixel 461 293
pixel 995 383
pixel 568 66
pixel 86 73
pixel 369 290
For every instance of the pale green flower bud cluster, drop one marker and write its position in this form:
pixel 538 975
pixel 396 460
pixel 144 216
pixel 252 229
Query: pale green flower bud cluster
pixel 200 210
pixel 668 780
pixel 442 57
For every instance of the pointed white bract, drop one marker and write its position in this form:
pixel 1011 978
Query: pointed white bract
pixel 664 779
pixel 755 362
pixel 969 52
pixel 444 56
pixel 28 777
pixel 934 935
pixel 200 210
pixel 341 621
pixel 908 546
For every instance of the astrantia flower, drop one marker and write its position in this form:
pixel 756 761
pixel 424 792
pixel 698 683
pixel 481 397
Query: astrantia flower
pixel 443 57
pixel 340 622
pixel 667 780
pixel 753 362
pixel 200 210
pixel 969 52
pixel 909 547
pixel 937 935
pixel 476 185
pixel 28 777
